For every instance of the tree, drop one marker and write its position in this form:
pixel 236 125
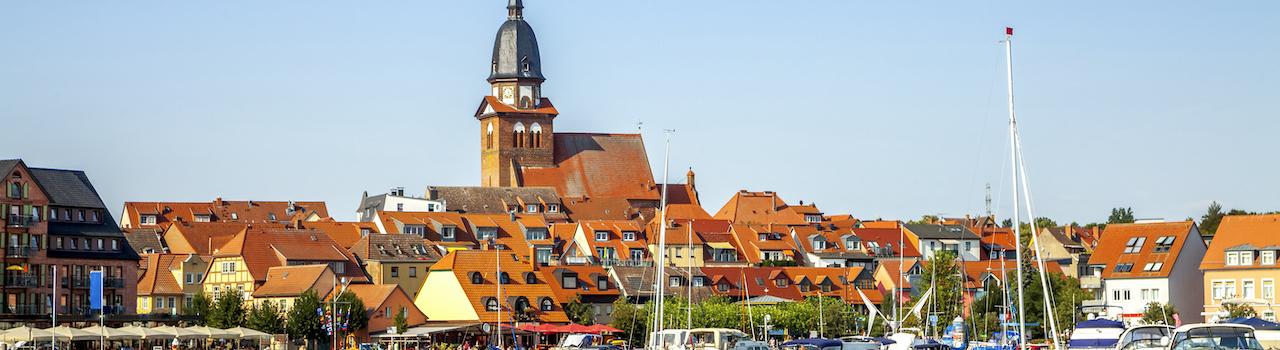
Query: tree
pixel 926 219
pixel 266 317
pixel 228 311
pixel 353 311
pixel 200 307
pixel 1043 222
pixel 1155 313
pixel 942 274
pixel 579 312
pixel 1239 310
pixel 1007 223
pixel 1121 216
pixel 1209 222
pixel 304 321
pixel 401 321
pixel 632 319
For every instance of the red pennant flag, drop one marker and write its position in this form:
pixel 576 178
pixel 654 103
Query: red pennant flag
pixel 1008 31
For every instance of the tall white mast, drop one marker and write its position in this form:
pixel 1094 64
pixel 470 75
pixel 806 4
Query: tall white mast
pixel 660 280
pixel 1013 169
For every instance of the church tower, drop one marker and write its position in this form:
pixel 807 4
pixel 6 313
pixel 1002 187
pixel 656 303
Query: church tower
pixel 515 120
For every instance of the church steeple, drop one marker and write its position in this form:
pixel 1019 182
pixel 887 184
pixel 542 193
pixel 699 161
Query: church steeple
pixel 515 9
pixel 516 120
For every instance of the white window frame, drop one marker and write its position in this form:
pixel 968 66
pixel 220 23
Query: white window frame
pixel 1267 257
pixel 629 236
pixel 1268 290
pixel 531 208
pixel 448 233
pixel 1248 288
pixel 415 229
pixel 553 208
pixel 228 267
pixel 1233 258
pixel 602 236
pixel 143 220
pixel 1246 258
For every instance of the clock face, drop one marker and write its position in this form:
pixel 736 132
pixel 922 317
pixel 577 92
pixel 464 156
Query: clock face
pixel 508 93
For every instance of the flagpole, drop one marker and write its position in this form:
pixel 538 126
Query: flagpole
pixel 1013 169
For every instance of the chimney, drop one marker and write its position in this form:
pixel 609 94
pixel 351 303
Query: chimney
pixel 432 192
pixel 688 178
pixel 217 201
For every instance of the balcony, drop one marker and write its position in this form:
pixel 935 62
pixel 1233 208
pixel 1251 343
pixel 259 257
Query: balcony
pixel 113 282
pixel 21 280
pixel 25 310
pixel 1090 282
pixel 75 282
pixel 19 252
pixel 21 220
pixel 625 263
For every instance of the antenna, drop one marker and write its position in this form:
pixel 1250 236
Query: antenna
pixel 989 200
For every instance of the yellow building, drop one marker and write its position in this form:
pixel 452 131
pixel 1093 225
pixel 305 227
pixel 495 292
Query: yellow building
pixel 1240 265
pixel 242 264
pixel 684 247
pixel 286 283
pixel 169 283
pixel 396 259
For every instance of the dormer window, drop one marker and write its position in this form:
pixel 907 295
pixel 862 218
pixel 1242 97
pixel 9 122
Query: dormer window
pixel 530 278
pixel 531 208
pixel 417 230
pixel 602 283
pixel 488 233
pixel 553 208
pixel 629 236
pixel 203 217
pixel 1267 257
pixel 491 304
pixel 477 278
pixel 819 244
pixel 546 304
pixel 235 216
pixel 536 233
pixel 146 219
pixel 812 218
pixel 852 244
pixel 602 236
pixel 447 233
pixel 764 236
pixel 271 216
pixel 781 282
pixel 504 278
pixel 569 280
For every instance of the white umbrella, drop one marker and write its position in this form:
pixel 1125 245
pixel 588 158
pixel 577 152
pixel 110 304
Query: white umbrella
pixel 73 334
pixel 212 333
pixel 246 333
pixel 26 334
pixel 112 333
pixel 144 332
pixel 175 332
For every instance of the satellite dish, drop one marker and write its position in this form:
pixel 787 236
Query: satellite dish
pixel 485 327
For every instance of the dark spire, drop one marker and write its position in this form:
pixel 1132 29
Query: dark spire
pixel 515 49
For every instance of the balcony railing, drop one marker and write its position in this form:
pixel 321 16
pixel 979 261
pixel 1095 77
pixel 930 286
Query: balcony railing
pixel 25 310
pixel 625 263
pixel 21 220
pixel 19 252
pixel 23 280
pixel 1090 282
pixel 113 282
pixel 577 260
pixel 75 282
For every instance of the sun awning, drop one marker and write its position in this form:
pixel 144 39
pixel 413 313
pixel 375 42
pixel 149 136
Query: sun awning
pixel 720 245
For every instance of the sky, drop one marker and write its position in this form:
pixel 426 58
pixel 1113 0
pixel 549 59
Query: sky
pixel 888 109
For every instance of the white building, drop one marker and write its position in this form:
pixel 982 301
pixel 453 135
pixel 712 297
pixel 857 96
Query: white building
pixel 395 200
pixel 935 237
pixel 1143 263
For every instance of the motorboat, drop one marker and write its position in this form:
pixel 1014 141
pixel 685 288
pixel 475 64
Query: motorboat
pixel 1098 333
pixel 578 341
pixel 865 343
pixel 1144 337
pixel 715 338
pixel 813 344
pixel 668 339
pixel 1217 336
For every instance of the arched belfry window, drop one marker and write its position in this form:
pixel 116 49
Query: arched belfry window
pixel 525 102
pixel 535 133
pixel 488 136
pixel 517 135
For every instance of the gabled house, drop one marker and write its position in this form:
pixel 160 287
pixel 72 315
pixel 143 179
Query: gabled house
pixel 394 200
pixel 766 208
pixel 396 259
pixel 607 242
pixel 542 201
pixel 242 264
pixel 832 244
pixel 1143 263
pixel 169 282
pixel 162 214
pixel 684 247
pixel 464 286
pixel 590 285
pixel 1240 265
pixel 384 302
pixel 1067 246
pixel 345 233
pixel 894 277
pixel 447 231
pixel 765 243
pixel 931 238
pixel 284 284
pixel 637 284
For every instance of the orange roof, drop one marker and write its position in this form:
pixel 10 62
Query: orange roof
pixel 750 244
pixel 1000 236
pixel 263 249
pixel 224 211
pixel 757 281
pixel 608 208
pixel 345 233
pixel 1242 232
pixel 158 278
pixel 615 229
pixel 588 279
pixel 544 107
pixel 893 224
pixel 203 237
pixel 597 165
pixel 760 208
pixel 892 268
pixel 373 295
pixel 886 237
pixel 292 281
pixel 1111 250
pixel 464 262
pixel 687 212
pixel 433 222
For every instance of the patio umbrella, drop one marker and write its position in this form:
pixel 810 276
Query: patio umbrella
pixel 212 333
pixel 112 333
pixel 26 334
pixel 73 334
pixel 171 332
pixel 144 332
pixel 246 333
pixel 603 328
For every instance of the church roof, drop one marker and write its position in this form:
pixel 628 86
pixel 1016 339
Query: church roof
pixel 597 165
pixel 515 48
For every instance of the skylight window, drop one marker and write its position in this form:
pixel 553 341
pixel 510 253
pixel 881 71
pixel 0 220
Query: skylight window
pixel 1134 245
pixel 1164 244
pixel 1153 267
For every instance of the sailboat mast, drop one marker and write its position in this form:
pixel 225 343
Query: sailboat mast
pixel 660 280
pixel 1035 245
pixel 1013 169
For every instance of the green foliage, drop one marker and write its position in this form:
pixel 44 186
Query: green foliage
pixel 1209 222
pixel 200 306
pixel 769 263
pixel 1043 222
pixel 303 321
pixel 579 312
pixel 351 305
pixel 228 311
pixel 829 315
pixel 1067 298
pixel 925 219
pixel 942 273
pixel 1007 223
pixel 266 317
pixel 632 319
pixel 1155 313
pixel 1121 216
pixel 1239 310
pixel 401 321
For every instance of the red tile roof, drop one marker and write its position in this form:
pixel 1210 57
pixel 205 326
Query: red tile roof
pixel 464 262
pixel 760 208
pixel 887 237
pixel 292 281
pixel 1111 250
pixel 203 237
pixel 222 210
pixel 263 249
pixel 345 233
pixel 597 165
pixel 544 104
pixel 158 278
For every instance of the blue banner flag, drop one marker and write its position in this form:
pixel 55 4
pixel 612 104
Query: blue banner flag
pixel 95 290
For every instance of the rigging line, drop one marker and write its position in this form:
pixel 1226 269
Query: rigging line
pixel 982 132
pixel 1035 242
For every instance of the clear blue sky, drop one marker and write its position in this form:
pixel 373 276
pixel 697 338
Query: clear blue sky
pixel 891 109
